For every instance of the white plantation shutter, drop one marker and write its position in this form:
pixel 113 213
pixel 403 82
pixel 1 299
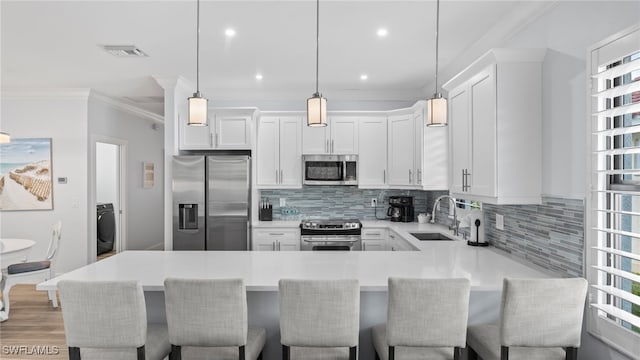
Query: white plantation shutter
pixel 613 214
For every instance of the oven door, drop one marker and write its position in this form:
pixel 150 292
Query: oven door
pixel 330 243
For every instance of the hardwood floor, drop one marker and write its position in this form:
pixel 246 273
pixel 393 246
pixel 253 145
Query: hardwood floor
pixel 33 325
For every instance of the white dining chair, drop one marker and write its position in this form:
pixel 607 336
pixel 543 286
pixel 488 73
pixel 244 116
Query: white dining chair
pixel 107 320
pixel 426 319
pixel 35 272
pixel 540 319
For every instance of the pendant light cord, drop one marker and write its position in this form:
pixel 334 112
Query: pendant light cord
pixel 437 40
pixel 317 41
pixel 198 48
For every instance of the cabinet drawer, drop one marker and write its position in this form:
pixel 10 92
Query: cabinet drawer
pixel 277 233
pixel 374 234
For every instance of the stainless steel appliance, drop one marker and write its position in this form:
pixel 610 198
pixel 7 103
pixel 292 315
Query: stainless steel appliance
pixel 330 169
pixel 401 209
pixel 211 202
pixel 342 235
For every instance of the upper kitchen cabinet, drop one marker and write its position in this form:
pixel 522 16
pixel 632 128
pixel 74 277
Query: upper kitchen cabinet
pixel 339 137
pixel 495 117
pixel 279 156
pixel 372 152
pixel 417 154
pixel 228 129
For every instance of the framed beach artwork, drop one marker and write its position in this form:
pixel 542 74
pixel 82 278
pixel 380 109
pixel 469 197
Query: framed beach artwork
pixel 26 175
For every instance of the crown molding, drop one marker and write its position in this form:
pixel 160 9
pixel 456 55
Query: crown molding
pixel 131 109
pixel 173 82
pixel 44 93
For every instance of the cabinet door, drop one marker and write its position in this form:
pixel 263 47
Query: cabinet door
pixel 344 135
pixel 400 150
pixel 373 245
pixel 194 137
pixel 372 152
pixel 459 127
pixel 289 245
pixel 260 244
pixel 268 153
pixel 418 148
pixel 315 140
pixel 483 139
pixel 290 152
pixel 233 132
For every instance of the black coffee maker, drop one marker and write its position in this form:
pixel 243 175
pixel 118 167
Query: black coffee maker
pixel 401 209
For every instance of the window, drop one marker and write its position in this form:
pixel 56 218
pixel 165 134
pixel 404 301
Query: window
pixel 613 216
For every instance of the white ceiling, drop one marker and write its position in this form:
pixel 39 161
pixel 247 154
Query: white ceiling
pixel 55 44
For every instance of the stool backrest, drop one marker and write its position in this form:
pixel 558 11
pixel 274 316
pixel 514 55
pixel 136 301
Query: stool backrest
pixel 319 313
pixel 103 314
pixel 542 312
pixel 206 312
pixel 428 312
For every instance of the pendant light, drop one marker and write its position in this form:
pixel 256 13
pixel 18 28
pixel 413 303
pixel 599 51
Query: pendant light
pixel 316 104
pixel 5 138
pixel 197 103
pixel 437 105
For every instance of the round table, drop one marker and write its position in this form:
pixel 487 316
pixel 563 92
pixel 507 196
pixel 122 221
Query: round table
pixel 12 251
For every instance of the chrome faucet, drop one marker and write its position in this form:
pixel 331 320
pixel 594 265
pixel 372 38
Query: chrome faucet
pixel 454 224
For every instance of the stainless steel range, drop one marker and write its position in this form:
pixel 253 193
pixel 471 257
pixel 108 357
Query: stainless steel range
pixel 344 235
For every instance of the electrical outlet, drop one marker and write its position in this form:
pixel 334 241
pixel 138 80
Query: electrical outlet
pixel 283 202
pixel 499 222
pixel 374 202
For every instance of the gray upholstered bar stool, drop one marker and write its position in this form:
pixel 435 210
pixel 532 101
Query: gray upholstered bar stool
pixel 319 319
pixel 540 319
pixel 426 319
pixel 207 319
pixel 108 320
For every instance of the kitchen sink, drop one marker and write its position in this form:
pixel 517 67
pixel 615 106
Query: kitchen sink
pixel 431 237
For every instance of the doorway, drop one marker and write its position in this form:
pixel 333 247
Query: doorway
pixel 109 189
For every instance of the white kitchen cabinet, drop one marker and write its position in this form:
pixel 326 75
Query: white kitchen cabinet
pixel 372 152
pixel 279 157
pixel 374 239
pixel 495 117
pixel 228 129
pixel 431 152
pixel 397 243
pixel 339 137
pixel 276 239
pixel 401 150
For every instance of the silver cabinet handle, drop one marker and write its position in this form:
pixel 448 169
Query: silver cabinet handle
pixel 273 246
pixel 278 245
pixel 373 234
pixel 364 246
pixel 410 176
pixel 276 234
pixel 463 185
pixel 332 147
pixel 211 139
pixel 419 176
pixel 326 146
pixel 384 176
pixel 281 177
pixel 217 139
pixel 277 176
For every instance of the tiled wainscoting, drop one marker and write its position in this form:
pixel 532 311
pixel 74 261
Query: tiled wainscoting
pixel 340 202
pixel 550 235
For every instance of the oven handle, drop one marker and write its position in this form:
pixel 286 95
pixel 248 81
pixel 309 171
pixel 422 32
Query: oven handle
pixel 309 240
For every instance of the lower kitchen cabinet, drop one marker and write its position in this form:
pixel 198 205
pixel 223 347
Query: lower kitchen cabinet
pixel 276 239
pixel 397 243
pixel 374 239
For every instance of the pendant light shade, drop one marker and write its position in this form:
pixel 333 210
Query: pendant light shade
pixel 316 110
pixel 437 105
pixel 316 104
pixel 198 104
pixel 437 111
pixel 5 138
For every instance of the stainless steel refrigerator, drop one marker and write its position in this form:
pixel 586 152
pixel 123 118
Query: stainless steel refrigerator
pixel 211 202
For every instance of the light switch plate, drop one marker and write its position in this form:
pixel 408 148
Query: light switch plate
pixel 499 222
pixel 283 202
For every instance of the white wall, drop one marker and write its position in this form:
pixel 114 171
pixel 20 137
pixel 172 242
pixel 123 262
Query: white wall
pixel 61 116
pixel 144 207
pixel 107 174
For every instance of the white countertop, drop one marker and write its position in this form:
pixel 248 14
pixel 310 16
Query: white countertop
pixel 485 267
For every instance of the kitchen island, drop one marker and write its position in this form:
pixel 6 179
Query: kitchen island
pixel 485 267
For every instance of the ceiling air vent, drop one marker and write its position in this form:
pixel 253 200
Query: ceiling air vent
pixel 124 51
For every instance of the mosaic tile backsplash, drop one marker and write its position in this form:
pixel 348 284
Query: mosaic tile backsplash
pixel 341 202
pixel 550 235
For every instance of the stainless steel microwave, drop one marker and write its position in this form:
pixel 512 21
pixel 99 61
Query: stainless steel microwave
pixel 330 169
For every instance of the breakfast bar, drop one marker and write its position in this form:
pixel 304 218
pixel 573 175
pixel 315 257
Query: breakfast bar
pixel 261 271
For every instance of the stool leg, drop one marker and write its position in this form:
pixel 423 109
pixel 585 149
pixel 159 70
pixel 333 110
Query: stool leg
pixel 241 355
pixel 74 353
pixel 571 353
pixel 286 352
pixel 392 352
pixel 176 352
pixel 353 353
pixel 471 354
pixel 141 355
pixel 457 353
pixel 504 353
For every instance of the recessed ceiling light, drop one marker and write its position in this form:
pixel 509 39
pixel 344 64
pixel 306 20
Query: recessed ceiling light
pixel 230 32
pixel 364 77
pixel 382 32
pixel 258 76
